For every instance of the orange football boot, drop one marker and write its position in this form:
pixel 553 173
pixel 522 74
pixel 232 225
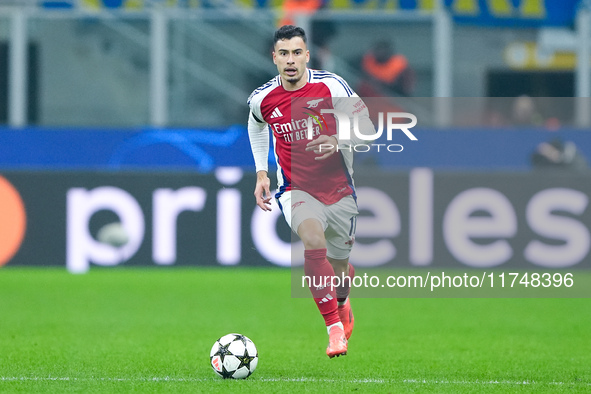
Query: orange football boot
pixel 337 342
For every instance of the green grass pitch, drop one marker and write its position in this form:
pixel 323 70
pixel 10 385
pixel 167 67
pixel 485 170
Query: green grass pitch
pixel 150 330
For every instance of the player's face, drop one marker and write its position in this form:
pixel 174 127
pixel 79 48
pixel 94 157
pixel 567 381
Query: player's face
pixel 291 57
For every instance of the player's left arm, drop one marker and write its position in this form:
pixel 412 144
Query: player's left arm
pixel 354 106
pixel 324 145
pixel 346 101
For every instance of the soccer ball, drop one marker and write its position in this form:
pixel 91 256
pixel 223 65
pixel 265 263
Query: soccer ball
pixel 234 356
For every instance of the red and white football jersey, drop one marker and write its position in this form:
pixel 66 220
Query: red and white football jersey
pixel 285 114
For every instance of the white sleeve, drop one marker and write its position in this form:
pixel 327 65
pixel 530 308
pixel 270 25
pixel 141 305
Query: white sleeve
pixel 258 133
pixel 345 100
pixel 354 107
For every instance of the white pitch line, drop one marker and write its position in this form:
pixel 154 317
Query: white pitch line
pixel 295 380
pixel 313 380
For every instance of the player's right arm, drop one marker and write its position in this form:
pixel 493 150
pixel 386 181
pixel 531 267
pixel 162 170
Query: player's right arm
pixel 258 134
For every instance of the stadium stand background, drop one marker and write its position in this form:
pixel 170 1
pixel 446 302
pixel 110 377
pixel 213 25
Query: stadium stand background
pixel 112 93
pixel 93 60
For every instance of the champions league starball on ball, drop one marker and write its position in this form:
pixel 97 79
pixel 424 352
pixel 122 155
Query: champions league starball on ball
pixel 234 356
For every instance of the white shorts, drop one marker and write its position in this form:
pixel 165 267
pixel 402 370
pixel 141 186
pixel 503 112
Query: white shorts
pixel 338 220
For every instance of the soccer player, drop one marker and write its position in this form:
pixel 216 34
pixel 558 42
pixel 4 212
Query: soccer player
pixel 316 193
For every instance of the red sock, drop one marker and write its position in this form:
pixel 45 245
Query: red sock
pixel 317 268
pixel 345 287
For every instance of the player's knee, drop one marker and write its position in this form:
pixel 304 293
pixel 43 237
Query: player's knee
pixel 312 234
pixel 313 241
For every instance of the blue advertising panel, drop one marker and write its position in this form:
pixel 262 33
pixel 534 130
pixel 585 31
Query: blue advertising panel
pixel 203 150
pixel 196 150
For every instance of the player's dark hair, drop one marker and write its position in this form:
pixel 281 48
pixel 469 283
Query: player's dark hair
pixel 288 32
